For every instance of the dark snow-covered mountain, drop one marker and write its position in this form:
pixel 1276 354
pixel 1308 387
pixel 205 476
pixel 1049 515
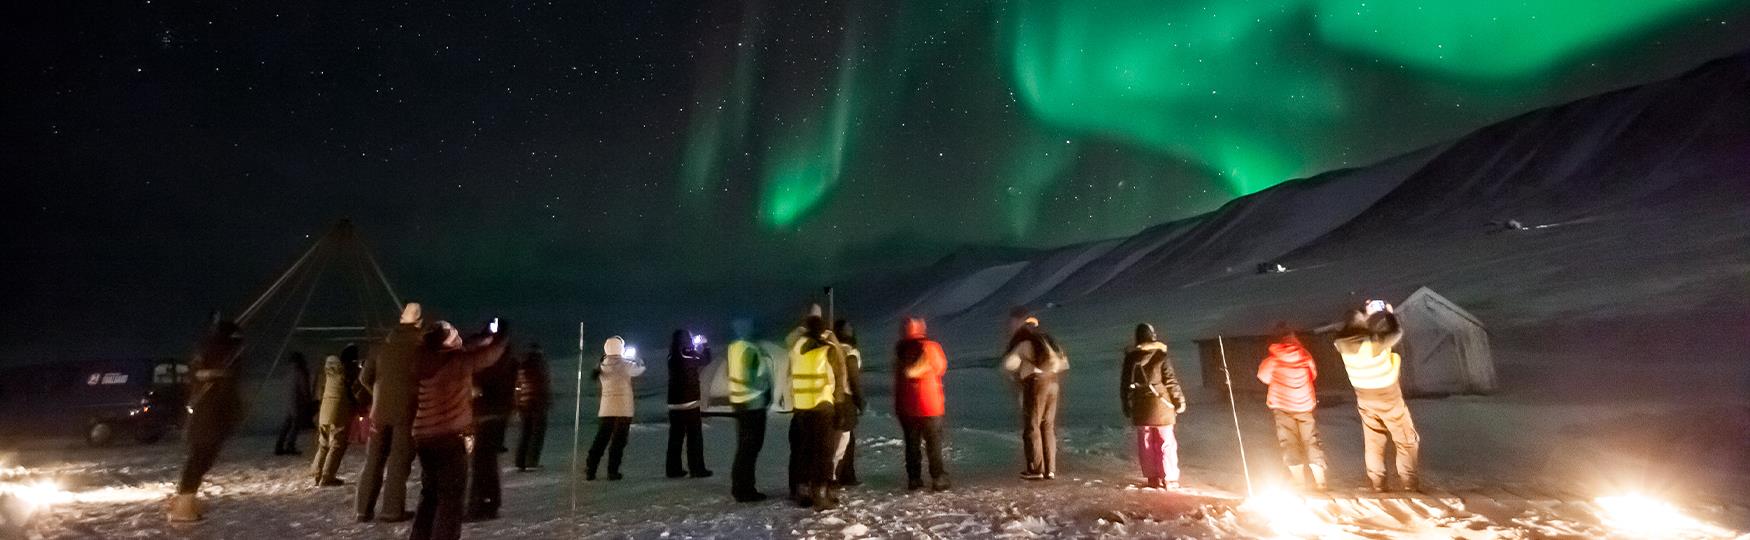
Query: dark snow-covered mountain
pixel 1671 156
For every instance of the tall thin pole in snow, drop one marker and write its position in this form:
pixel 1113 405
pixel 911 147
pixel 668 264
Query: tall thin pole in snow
pixel 1225 374
pixel 577 417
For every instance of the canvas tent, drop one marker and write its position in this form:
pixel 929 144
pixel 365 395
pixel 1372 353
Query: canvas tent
pixel 1445 349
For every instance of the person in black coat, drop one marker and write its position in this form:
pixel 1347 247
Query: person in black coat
pixel 1152 399
pixel 847 411
pixel 300 407
pixel 534 395
pixel 685 420
pixel 494 398
pixel 216 407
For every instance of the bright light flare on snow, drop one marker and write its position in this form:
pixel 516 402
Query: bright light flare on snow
pixel 1285 513
pixel 1637 515
pixel 37 495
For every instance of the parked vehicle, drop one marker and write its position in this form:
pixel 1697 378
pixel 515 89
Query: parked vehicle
pixel 101 400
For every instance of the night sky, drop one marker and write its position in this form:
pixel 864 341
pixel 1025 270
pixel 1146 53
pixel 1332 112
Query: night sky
pixel 634 165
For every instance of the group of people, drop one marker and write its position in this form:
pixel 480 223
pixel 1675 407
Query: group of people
pixel 424 392
pixel 1152 398
pixel 1365 339
pixel 827 399
pixel 431 393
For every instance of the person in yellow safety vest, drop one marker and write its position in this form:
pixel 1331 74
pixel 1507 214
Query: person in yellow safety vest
pixel 1366 345
pixel 750 390
pixel 817 380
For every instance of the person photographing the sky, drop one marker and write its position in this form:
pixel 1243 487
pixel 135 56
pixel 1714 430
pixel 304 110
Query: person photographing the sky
pixel 618 367
pixel 443 424
pixel 687 354
pixel 1366 342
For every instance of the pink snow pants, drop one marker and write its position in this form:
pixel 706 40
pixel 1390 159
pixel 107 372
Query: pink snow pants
pixel 1158 451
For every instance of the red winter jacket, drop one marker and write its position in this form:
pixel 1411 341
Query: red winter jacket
pixel 918 367
pixel 1290 372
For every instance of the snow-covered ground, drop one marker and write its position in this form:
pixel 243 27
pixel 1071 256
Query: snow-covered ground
pixel 1528 463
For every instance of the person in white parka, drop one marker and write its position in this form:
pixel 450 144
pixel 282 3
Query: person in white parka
pixel 615 417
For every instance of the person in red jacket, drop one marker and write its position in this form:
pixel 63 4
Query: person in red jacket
pixel 919 364
pixel 1290 372
pixel 443 422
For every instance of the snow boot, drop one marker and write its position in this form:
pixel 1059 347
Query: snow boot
pixel 1318 476
pixel 185 508
pixel 824 499
pixel 750 497
pixel 1297 476
pixel 914 484
pixel 939 484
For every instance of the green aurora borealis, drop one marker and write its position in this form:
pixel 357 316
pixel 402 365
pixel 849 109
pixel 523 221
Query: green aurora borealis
pixel 631 161
pixel 1200 101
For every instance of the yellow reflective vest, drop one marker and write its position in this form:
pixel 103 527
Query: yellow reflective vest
pixel 811 375
pixel 749 377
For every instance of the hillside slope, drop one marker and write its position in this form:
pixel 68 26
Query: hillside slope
pixel 1665 163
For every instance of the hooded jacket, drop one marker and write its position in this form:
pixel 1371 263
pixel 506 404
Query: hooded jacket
pixel 684 363
pixel 1033 353
pixel 534 384
pixel 339 375
pixel 1149 388
pixel 615 376
pixel 389 375
pixel 919 364
pixel 1289 370
pixel 446 371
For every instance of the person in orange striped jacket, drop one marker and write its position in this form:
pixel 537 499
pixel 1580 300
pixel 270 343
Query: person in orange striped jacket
pixel 1289 370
